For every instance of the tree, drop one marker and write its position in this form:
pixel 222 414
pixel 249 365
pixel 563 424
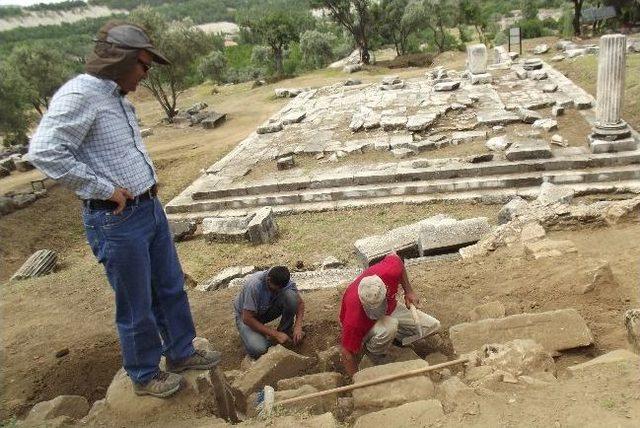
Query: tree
pixel 577 11
pixel 14 94
pixel 529 10
pixel 471 12
pixel 213 66
pixel 183 44
pixel 442 14
pixel 317 48
pixel 276 25
pixel 396 20
pixel 43 69
pixel 355 17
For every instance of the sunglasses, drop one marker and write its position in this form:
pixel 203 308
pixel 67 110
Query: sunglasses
pixel 145 66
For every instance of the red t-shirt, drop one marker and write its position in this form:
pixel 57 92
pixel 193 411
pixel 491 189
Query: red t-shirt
pixel 355 322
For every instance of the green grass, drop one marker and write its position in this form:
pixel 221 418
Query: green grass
pixel 584 72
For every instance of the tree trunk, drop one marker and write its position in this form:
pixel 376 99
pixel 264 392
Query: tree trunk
pixel 576 16
pixel 277 56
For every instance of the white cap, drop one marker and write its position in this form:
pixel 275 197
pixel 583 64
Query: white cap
pixel 373 296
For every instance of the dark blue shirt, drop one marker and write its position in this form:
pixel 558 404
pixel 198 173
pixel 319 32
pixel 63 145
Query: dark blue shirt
pixel 255 295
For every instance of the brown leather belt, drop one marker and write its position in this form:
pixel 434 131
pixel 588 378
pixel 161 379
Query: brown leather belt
pixel 99 204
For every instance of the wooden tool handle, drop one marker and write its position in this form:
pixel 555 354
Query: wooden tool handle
pixel 372 382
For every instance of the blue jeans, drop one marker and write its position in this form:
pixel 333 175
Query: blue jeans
pixel 152 310
pixel 284 306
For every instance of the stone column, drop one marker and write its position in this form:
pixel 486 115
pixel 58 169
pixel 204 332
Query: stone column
pixel 611 133
pixel 477 63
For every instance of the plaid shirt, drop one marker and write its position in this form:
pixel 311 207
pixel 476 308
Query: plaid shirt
pixel 90 141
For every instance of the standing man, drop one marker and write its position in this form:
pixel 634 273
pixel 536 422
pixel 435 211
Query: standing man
pixel 264 297
pixel 371 315
pixel 89 140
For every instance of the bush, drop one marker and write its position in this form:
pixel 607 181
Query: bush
pixel 316 48
pixel 530 28
pixel 293 63
pixel 501 38
pixel 213 66
pixel 412 60
pixel 261 57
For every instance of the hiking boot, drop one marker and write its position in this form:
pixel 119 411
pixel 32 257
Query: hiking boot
pixel 200 360
pixel 162 385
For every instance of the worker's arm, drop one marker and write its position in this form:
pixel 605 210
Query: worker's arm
pixel 249 318
pixel 349 361
pixel 410 297
pixel 297 327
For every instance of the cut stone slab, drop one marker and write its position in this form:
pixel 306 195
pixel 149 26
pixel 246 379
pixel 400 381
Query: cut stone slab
pixel 325 278
pixel 286 162
pixel 546 124
pixel 403 240
pixel 551 194
pixel 331 263
pixel 488 310
pixel 402 153
pixel 415 414
pixel 477 58
pixel 540 49
pixel 558 140
pixel 619 356
pixel 420 122
pixel 73 406
pixel 498 144
pixel 554 330
pixel 446 86
pixel 632 324
pixel 224 229
pixel 550 87
pixel 222 279
pixel 573 53
pixel 468 136
pixel 449 235
pixel 529 149
pixel 528 116
pixel 213 120
pixel 496 116
pixel 278 363
pixel 549 248
pixel 532 64
pixel 40 263
pixel 295 116
pixel 401 141
pixel 538 75
pixel 268 128
pixel 480 79
pixel 392 123
pixel 182 230
pixel 557 110
pixel 393 393
pixel 262 228
pixel 320 381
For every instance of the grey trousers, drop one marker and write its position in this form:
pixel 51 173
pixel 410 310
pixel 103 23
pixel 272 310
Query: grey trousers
pixel 398 325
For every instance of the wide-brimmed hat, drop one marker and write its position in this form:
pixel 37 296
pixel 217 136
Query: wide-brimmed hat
pixel 373 296
pixel 128 36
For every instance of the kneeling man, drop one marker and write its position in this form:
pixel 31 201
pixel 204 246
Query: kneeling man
pixel 371 315
pixel 266 296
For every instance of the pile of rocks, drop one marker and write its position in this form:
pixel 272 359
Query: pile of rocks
pixel 198 114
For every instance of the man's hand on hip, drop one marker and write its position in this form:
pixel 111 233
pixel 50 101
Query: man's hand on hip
pixel 120 197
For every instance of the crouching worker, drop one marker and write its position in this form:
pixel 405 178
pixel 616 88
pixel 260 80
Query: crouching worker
pixel 371 316
pixel 266 296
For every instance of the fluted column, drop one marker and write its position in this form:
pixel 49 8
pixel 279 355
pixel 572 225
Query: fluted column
pixel 610 133
pixel 611 67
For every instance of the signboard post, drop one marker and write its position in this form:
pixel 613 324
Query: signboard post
pixel 515 39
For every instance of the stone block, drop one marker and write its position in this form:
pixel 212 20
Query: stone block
pixel 632 324
pixel 480 79
pixel 573 53
pixel 222 279
pixel 477 58
pixel 496 116
pixel 549 248
pixel 182 229
pixel 540 49
pixel 597 278
pixel 415 414
pixel 498 144
pixel 213 120
pixel 517 357
pixel 286 162
pixel 446 86
pixel 546 124
pixel 528 149
pixel 40 263
pixel 393 393
pixel 400 141
pixel 557 111
pixel 538 75
pixel 402 153
pixel 262 228
pixel 528 116
pixel 532 232
pixel 488 310
pixel 468 136
pixel 392 123
pixel 511 209
pixel 278 363
pixel 551 194
pixel 72 406
pixel 420 122
pixel 224 229
pixel 403 240
pixel 554 330
pixel 269 127
pixel 320 381
pixel 615 358
pixel 532 64
pixel 449 235
pixel 293 116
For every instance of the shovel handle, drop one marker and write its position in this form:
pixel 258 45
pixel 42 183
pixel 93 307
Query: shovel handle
pixel 372 381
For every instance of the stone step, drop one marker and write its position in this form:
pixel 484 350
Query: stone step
pixel 479 196
pixel 461 170
pixel 629 172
